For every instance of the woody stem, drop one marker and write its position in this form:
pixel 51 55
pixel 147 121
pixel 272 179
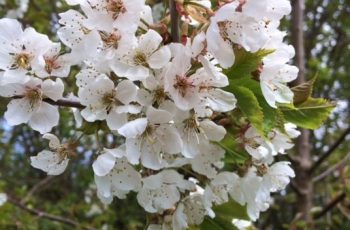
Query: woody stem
pixel 175 21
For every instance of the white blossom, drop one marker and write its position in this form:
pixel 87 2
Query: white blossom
pixel 149 138
pixel 229 27
pixel 51 63
pixel 19 50
pixel 148 53
pixel 161 191
pixel 30 107
pixel 208 161
pixel 114 176
pixel 105 101
pixel 56 161
pixel 162 102
pixel 278 176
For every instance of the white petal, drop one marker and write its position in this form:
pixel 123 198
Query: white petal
pixel 133 109
pixel 170 139
pixel 125 177
pixel 126 91
pixel 49 162
pixel 54 141
pixel 221 101
pixel 18 111
pixel 45 118
pixel 160 58
pixel 220 49
pixel 268 94
pixel 10 90
pixel 158 116
pixel 198 44
pixel 11 30
pixel 150 157
pixel 104 164
pixel 133 128
pixel 150 42
pixel 103 185
pixel 133 73
pixel 116 120
pixel 133 150
pixel 53 90
pixel 144 97
pixel 213 131
pixel 117 152
pixel 14 76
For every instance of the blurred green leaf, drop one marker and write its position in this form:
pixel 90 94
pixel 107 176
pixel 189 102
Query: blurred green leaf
pixel 310 114
pixel 249 105
pixel 224 215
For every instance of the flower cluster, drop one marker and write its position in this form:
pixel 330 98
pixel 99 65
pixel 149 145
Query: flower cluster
pixel 160 98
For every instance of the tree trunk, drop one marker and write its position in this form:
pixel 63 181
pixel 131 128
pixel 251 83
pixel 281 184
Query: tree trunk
pixel 303 180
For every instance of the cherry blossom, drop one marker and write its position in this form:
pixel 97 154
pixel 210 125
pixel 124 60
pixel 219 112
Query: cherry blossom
pixel 20 49
pixel 166 109
pixel 56 161
pixel 31 106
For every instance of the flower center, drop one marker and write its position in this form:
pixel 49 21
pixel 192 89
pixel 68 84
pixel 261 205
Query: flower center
pixel 116 7
pixel 21 61
pixel 192 124
pixel 65 151
pixel 110 40
pixel 159 96
pixel 140 58
pixel 261 170
pixel 110 100
pixel 183 84
pixel 148 134
pixel 51 64
pixel 34 96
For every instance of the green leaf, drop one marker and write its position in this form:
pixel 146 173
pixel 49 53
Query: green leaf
pixel 217 224
pixel 303 91
pixel 272 118
pixel 249 105
pixel 90 128
pixel 225 213
pixel 232 156
pixel 246 63
pixel 310 114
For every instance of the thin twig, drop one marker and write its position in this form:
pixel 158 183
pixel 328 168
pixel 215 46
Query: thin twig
pixel 332 169
pixel 175 21
pixel 46 215
pixel 36 187
pixel 331 205
pixel 331 150
pixel 66 103
pixel 61 102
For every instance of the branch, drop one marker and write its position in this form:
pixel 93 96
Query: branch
pixel 331 205
pixel 175 21
pixel 42 214
pixel 332 169
pixel 61 102
pixel 65 103
pixel 330 151
pixel 36 187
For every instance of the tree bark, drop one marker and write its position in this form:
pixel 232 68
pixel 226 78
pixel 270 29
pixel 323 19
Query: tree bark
pixel 303 180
